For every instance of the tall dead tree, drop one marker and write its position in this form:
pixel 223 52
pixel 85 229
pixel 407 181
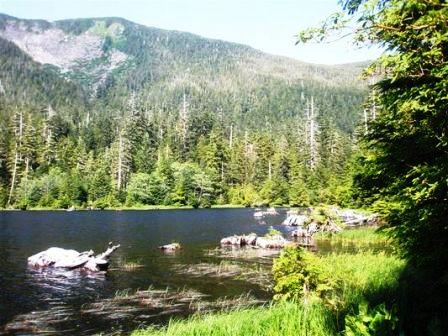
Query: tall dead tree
pixel 17 127
pixel 183 123
pixel 366 121
pixel 123 162
pixel 48 134
pixel 311 133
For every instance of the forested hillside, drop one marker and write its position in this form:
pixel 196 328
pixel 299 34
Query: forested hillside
pixel 106 112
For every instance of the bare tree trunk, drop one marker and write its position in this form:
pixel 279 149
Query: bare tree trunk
pixel 17 156
pixel 14 174
pixel 231 136
pixel 184 122
pixel 312 127
pixel 120 162
pixel 366 127
pixel 270 170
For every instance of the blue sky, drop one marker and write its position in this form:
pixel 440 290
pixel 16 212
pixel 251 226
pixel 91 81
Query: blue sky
pixel 268 25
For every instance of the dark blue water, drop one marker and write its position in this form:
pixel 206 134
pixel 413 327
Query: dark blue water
pixel 24 291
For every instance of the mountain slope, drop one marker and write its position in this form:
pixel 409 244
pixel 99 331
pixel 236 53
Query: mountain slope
pixel 110 58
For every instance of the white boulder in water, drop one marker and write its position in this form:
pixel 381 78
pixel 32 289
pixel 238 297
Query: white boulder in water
pixel 272 241
pixel 170 247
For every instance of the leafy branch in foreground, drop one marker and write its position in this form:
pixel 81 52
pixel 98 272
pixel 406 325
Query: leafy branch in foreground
pixel 405 161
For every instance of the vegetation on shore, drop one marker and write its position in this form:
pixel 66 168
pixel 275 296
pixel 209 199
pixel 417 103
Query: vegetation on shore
pixel 289 319
pixel 316 295
pixel 364 236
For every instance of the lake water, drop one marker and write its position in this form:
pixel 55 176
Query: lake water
pixel 198 277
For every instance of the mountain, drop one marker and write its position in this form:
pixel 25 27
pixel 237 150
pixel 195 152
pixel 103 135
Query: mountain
pixel 84 81
pixel 107 59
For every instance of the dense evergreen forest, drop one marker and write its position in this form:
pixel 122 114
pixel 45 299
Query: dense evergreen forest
pixel 108 113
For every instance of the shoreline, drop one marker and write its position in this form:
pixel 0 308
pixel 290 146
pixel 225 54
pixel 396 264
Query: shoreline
pixel 141 208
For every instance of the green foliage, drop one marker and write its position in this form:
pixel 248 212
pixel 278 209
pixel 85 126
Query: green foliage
pixel 192 186
pixel 101 203
pixel 141 189
pixel 245 195
pixel 378 321
pixel 340 280
pixel 404 165
pixel 297 274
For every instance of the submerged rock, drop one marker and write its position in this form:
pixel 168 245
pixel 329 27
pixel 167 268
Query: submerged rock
pixel 56 257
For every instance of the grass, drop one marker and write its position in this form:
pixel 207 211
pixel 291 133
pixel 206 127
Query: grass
pixel 365 276
pixel 128 265
pixel 359 237
pixel 285 318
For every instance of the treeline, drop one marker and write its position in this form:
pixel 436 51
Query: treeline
pixel 195 160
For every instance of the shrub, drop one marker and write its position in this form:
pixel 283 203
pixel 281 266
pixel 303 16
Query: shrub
pixel 378 321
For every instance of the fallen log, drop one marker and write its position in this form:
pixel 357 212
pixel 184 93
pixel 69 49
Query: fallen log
pixel 56 257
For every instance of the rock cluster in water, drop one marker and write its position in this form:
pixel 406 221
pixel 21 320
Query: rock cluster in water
pixel 271 241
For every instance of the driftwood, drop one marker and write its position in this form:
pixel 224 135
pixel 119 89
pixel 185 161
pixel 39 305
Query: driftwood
pixel 56 257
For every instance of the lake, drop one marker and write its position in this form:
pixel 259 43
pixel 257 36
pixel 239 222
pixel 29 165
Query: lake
pixel 144 285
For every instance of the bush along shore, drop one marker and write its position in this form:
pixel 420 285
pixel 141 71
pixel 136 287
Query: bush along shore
pixel 315 294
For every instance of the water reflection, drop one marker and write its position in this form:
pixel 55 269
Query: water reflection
pixel 66 282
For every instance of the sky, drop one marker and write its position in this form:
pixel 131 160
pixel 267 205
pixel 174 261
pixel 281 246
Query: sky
pixel 267 25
